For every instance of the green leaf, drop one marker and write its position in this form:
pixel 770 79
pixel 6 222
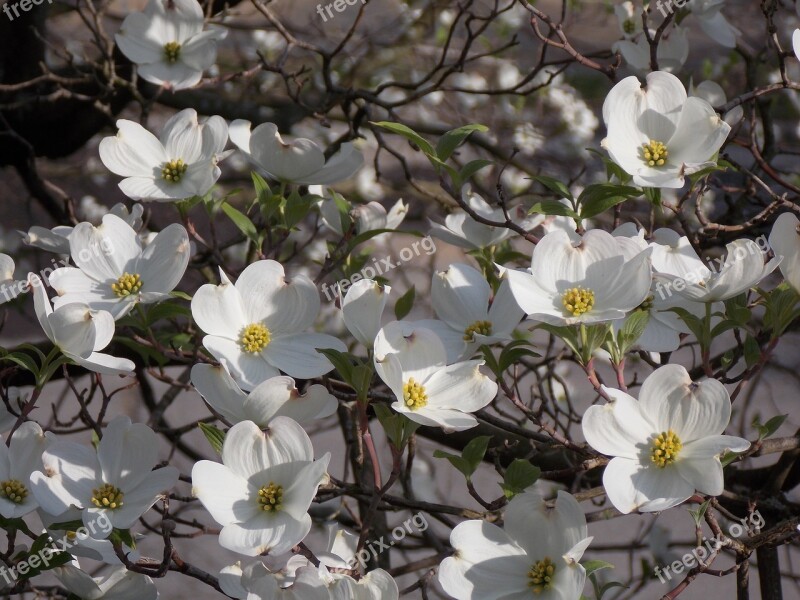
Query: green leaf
pixel 632 330
pixel 769 428
pixel 654 196
pixel 752 351
pixel 520 475
pixel 612 168
pixel 404 304
pixel 514 352
pixel 695 324
pixel 242 221
pixel 453 139
pixel 555 186
pixel 263 191
pixel 468 170
pixel 599 197
pixel 596 565
pixel 297 207
pixel 780 309
pixel 398 427
pixel 215 436
pixel 553 207
pixel 407 133
pixel 342 362
pixel 471 457
pixel 698 514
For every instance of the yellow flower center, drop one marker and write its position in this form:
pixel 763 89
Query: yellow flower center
pixel 665 449
pixel 13 490
pixel 480 327
pixel 655 153
pixel 127 285
pixel 578 300
pixel 647 304
pixel 174 170
pixel 540 577
pixel 414 394
pixel 107 496
pixel 255 338
pixel 270 497
pixel 628 26
pixel 172 51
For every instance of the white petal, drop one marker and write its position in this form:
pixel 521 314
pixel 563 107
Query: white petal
pixel 460 386
pixel 296 354
pixel 224 494
pixel 285 161
pixel 164 260
pixel 362 309
pixel 784 239
pixel 133 152
pixel 219 389
pixel 105 252
pixel 248 369
pixel 218 309
pixel 616 428
pixel 248 450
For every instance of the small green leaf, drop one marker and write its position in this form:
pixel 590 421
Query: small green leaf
pixel 555 186
pixel 409 134
pixel 514 352
pixel 553 207
pixel 242 221
pixel 404 304
pixel 342 362
pixel 453 139
pixel 599 197
pixel 592 566
pixel 520 475
pixel 470 458
pixel 769 428
pixel 468 170
pixel 215 436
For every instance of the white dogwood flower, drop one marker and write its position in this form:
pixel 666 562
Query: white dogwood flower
pixel 535 555
pixel 784 239
pixel 584 281
pixel 375 585
pixel 672 52
pixel 255 582
pixel 712 92
pixel 257 325
pixel 275 397
pixel 367 217
pixel 362 309
pixel 179 165
pixel 116 583
pixel 116 482
pixel 463 231
pixel 713 22
pixel 168 44
pixel 114 271
pixel 57 239
pixel 412 362
pixel 470 316
pixel 659 135
pixel 10 288
pixel 17 461
pixel 665 445
pixel 79 332
pixel 662 333
pixel 743 268
pixel 630 20
pixel 261 492
pixel 301 161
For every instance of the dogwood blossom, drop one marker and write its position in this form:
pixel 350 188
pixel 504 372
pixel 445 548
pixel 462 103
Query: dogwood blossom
pixel 79 332
pixel 256 326
pixel 585 281
pixel 274 397
pixel 116 583
pixel 744 267
pixel 712 92
pixel 168 44
pixel 784 239
pixel 362 309
pixel 535 555
pixel 367 217
pixel 630 21
pixel 17 461
pixel 261 492
pixel 658 134
pixel 470 317
pixel 115 272
pixel 671 54
pixel 301 161
pixel 713 22
pixel 57 239
pixel 665 445
pixel 116 482
pixel 463 231
pixel 256 582
pixel 412 362
pixel 181 164
pixel 662 333
pixel 10 288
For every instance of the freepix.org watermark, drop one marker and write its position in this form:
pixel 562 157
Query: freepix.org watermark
pixel 100 527
pixel 665 290
pixel 380 267
pixel 12 290
pixel 24 5
pixel 338 6
pixel 416 522
pixel 709 546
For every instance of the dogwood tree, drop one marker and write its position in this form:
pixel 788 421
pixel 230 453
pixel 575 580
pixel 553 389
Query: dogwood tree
pixel 483 300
